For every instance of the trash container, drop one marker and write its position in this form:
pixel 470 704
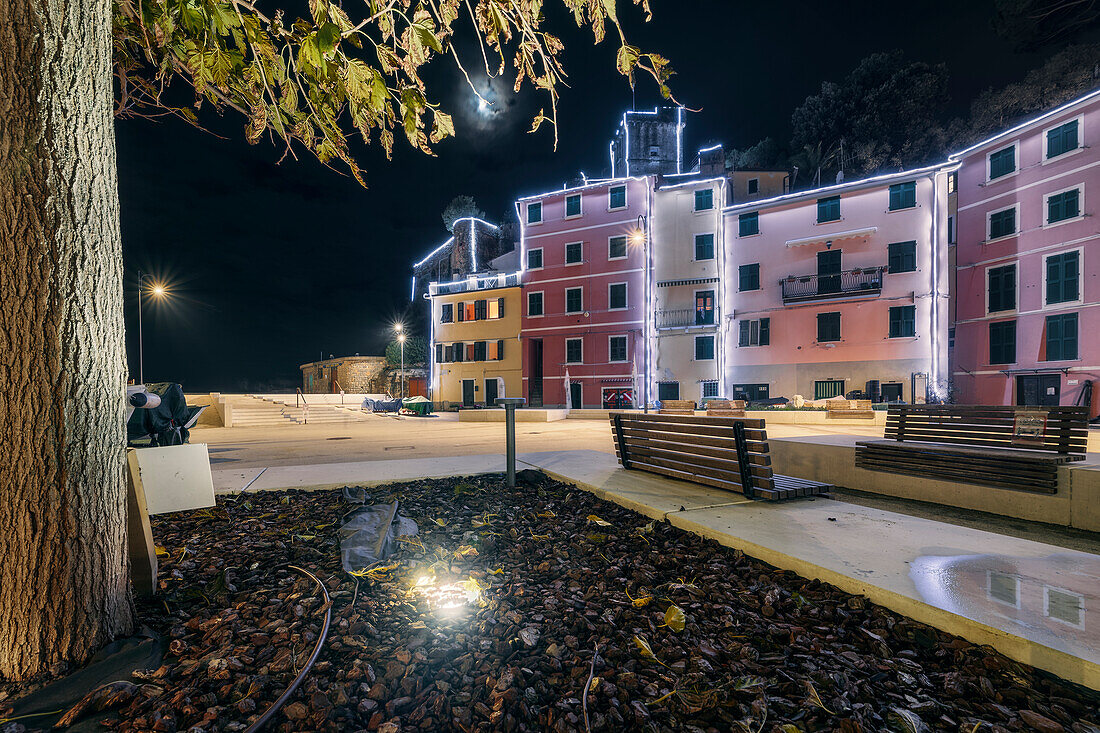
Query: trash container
pixel 417 405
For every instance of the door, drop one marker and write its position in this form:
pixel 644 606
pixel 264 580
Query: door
pixel 491 392
pixel 534 381
pixel 1038 389
pixel 890 391
pixel 467 393
pixel 575 395
pixel 618 398
pixel 828 271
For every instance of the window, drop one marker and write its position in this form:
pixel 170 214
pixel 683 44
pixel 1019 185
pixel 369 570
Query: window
pixel 1064 205
pixel 1063 278
pixel 748 277
pixel 1002 223
pixel 495 350
pixel 710 388
pixel 534 304
pixel 1002 342
pixel 951 230
pixel 573 205
pixel 469 311
pixel 447 313
pixel 616 248
pixel 754 333
pixel 458 351
pixel 1002 288
pixel 616 348
pixel 480 351
pixel 704 199
pixel 574 300
pixel 828 209
pixel 704 246
pixel 496 308
pixel 704 307
pixel 1002 162
pixel 903 321
pixel 953 182
pixel 534 212
pixel 903 195
pixel 616 197
pixel 574 253
pixel 574 351
pixel 748 224
pixel 825 389
pixel 754 186
pixel 1062 139
pixel 828 327
pixel 616 296
pixel 1062 337
pixel 751 392
pixel 481 310
pixel 704 348
pixel 668 391
pixel 534 259
pixel 901 256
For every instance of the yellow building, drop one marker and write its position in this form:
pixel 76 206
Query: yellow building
pixel 476 355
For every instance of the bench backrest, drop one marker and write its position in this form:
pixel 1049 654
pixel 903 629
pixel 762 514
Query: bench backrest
pixel 726 452
pixel 725 405
pixel 840 404
pixel 678 404
pixel 1049 428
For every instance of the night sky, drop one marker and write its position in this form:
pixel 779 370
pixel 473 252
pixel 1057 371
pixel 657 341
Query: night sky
pixel 272 266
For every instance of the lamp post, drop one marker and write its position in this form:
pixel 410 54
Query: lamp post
pixel 158 291
pixel 640 236
pixel 401 340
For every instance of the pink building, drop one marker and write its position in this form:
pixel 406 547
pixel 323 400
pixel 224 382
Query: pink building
pixel 1028 264
pixel 839 289
pixel 584 293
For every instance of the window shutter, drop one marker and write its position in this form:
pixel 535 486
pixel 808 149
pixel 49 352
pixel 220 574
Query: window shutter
pixel 1054 280
pixel 500 307
pixel 743 336
pixel 765 331
pixel 438 353
pixel 461 308
pixel 500 347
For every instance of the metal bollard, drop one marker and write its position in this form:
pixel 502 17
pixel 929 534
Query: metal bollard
pixel 510 404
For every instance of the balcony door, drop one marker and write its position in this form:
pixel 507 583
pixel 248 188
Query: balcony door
pixel 704 308
pixel 828 271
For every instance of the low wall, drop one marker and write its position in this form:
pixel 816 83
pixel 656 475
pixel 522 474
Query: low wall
pixel 777 417
pixel 496 414
pixel 212 416
pixel 832 459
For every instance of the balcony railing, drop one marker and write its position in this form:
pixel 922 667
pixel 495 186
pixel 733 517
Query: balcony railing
pixel 476 282
pixel 864 281
pixel 686 318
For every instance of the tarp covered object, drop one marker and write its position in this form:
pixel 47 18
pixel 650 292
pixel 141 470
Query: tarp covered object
pixel 370 534
pixel 169 422
pixel 382 405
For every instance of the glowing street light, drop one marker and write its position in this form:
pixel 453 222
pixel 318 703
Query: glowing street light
pixel 158 291
pixel 401 340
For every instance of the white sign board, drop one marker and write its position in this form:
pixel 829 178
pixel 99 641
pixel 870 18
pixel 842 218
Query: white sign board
pixel 175 477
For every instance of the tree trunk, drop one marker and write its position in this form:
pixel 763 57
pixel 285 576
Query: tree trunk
pixel 64 587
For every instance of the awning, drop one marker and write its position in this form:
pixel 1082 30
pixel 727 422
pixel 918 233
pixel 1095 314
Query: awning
pixel 694 281
pixel 1041 370
pixel 834 237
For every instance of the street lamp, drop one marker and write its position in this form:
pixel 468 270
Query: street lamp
pixel 401 340
pixel 640 238
pixel 158 291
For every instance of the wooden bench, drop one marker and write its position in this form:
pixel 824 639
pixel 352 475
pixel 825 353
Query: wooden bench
pixel 725 408
pixel 1003 447
pixel 677 407
pixel 849 408
pixel 724 452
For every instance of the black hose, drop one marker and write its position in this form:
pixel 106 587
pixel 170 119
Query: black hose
pixel 259 724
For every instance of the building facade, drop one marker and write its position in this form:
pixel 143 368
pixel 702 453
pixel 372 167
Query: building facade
pixel 351 374
pixel 583 258
pixel 839 289
pixel 476 355
pixel 687 256
pixel 1028 262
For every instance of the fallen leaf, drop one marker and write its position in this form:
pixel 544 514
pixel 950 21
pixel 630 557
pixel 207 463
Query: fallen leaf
pixel 596 520
pixel 675 619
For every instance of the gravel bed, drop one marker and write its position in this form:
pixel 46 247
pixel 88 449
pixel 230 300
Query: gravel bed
pixel 542 608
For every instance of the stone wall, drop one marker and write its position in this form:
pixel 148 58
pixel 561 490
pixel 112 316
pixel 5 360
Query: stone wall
pixel 352 374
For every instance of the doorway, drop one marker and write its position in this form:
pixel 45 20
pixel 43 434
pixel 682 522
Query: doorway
pixel 534 383
pixel 467 393
pixel 828 271
pixel 1038 389
pixel 491 392
pixel 575 395
pixel 890 391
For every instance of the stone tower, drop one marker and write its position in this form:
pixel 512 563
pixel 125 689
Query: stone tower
pixel 648 143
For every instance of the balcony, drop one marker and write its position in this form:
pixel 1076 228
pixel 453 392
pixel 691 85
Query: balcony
pixel 846 284
pixel 686 318
pixel 474 283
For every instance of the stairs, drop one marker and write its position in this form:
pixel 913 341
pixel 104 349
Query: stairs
pixel 250 411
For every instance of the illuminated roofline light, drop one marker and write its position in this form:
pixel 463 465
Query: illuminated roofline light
pixel 954 157
pixel 474 218
pixel 434 252
pixel 692 183
pixel 593 184
pixel 611 154
pixel 712 147
pixel 679 139
pixel 475 278
pixel 945 166
pixel 412 293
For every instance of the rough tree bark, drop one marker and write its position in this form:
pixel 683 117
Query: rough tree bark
pixel 64 587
